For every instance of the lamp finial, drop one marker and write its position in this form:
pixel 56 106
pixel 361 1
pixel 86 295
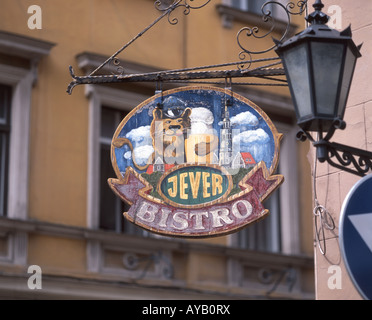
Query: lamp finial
pixel 318 5
pixel 317 17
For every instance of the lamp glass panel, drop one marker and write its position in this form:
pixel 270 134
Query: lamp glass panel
pixel 327 63
pixel 297 70
pixel 346 81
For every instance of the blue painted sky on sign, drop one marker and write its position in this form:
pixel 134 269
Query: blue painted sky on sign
pixel 251 133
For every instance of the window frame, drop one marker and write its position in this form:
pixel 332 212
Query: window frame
pixel 105 146
pixel 21 80
pixel 100 96
pixel 251 233
pixel 288 202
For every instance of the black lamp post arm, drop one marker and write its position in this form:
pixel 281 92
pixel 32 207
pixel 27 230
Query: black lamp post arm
pixel 350 159
pixel 344 157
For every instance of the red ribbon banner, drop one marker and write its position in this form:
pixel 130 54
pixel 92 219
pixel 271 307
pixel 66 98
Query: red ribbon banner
pixel 219 218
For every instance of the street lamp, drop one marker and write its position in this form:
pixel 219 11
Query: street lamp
pixel 319 65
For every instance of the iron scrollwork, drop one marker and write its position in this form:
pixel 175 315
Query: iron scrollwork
pixel 169 6
pixel 346 158
pixel 166 7
pixel 270 22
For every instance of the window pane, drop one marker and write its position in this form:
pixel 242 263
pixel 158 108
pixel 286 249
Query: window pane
pixel 264 235
pixel 253 6
pixel 3 173
pixel 240 4
pixel 4 105
pixel 5 96
pixel 111 206
pixel 273 223
pixel 3 114
pixel 109 122
pixel 108 200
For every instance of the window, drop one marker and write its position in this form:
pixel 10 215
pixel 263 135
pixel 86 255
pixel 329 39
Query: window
pixel 249 5
pixel 17 80
pixel 108 107
pixel 255 6
pixel 20 56
pixel 279 231
pixel 250 13
pixel 111 206
pixel 5 103
pixel 266 234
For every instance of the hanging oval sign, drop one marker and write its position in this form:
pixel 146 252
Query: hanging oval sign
pixel 195 162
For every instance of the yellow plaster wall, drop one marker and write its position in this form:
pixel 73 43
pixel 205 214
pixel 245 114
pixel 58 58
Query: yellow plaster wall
pixel 57 255
pixel 59 122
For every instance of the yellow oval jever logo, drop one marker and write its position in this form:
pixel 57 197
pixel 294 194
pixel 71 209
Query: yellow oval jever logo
pixel 192 186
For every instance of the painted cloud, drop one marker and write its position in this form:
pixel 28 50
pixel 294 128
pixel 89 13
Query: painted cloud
pixel 142 144
pixel 256 142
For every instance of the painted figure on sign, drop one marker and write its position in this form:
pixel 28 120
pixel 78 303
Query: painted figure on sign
pixel 202 142
pixel 169 132
pixel 183 134
pixel 178 134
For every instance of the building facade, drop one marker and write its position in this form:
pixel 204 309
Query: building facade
pixel 57 212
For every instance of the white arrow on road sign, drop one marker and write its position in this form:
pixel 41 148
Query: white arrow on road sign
pixel 363 224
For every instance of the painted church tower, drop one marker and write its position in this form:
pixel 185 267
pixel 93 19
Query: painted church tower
pixel 226 141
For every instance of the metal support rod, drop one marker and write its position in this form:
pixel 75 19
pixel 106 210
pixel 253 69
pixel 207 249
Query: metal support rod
pixel 140 34
pixel 166 76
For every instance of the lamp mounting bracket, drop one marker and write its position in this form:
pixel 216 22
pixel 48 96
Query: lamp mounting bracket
pixel 340 156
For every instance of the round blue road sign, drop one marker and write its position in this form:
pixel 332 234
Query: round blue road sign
pixel 356 235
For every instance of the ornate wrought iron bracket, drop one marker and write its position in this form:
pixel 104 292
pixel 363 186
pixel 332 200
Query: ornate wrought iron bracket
pixel 167 9
pixel 268 18
pixel 274 76
pixel 346 158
